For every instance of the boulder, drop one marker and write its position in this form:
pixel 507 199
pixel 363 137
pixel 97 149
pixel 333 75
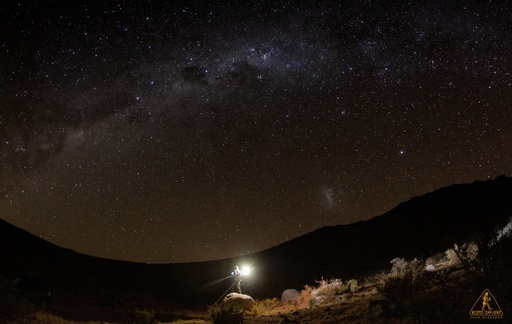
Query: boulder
pixel 236 303
pixel 318 300
pixel 290 296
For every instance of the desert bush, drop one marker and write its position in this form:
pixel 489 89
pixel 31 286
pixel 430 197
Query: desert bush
pixel 485 264
pixel 483 259
pixel 405 281
pixel 305 299
pixel 353 286
pixel 329 288
pixel 505 232
pixel 399 268
pixel 329 291
pixel 497 271
pixel 467 254
pixel 403 269
pixel 145 316
pixel 451 256
pixel 213 310
pixel 491 269
pixel 261 307
pixel 376 279
pixel 436 259
pixel 40 317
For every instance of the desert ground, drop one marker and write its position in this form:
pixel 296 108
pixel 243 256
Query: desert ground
pixel 375 272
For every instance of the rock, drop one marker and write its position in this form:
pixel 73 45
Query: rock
pixel 290 296
pixel 318 300
pixel 236 303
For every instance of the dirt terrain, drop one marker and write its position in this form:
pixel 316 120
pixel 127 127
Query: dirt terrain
pixel 86 289
pixel 359 307
pixel 353 309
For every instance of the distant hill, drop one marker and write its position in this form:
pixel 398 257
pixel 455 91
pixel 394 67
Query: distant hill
pixel 419 227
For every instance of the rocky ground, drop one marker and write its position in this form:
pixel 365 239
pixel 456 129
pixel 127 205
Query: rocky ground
pixel 357 308
pixel 363 304
pixel 361 307
pixel 367 305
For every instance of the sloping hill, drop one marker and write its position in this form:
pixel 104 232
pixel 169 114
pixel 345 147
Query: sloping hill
pixel 420 227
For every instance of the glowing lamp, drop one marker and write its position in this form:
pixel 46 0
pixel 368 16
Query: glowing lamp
pixel 246 271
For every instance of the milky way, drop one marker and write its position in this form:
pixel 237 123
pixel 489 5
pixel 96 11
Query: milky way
pixel 174 132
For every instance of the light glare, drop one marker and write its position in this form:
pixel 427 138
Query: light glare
pixel 246 271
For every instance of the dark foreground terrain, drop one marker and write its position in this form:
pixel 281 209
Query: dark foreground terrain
pixel 86 288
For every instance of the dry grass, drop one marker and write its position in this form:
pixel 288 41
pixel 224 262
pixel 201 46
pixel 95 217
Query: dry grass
pixel 41 317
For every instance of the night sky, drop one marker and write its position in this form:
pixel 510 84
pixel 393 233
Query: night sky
pixel 178 131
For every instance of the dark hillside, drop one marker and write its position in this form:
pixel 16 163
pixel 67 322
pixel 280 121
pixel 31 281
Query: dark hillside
pixel 420 227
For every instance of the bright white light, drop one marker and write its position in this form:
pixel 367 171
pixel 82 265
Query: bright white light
pixel 246 271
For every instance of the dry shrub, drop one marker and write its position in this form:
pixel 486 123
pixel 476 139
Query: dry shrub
pixel 492 268
pixel 437 259
pixel 376 279
pixel 467 254
pixel 261 307
pixel 353 286
pixel 145 316
pixel 405 282
pixel 453 259
pixel 40 318
pixel 328 291
pixel 214 310
pixel 474 267
pixel 306 296
pixel 329 288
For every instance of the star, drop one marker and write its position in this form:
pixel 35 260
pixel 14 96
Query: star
pixel 157 130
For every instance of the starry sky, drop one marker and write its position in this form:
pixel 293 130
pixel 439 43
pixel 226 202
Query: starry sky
pixel 181 131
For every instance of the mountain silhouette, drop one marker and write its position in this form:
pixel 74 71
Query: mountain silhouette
pixel 93 287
